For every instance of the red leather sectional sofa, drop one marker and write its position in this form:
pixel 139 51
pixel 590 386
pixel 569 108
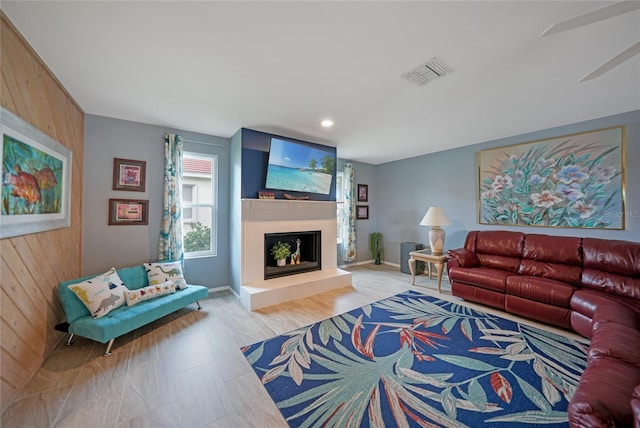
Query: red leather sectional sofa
pixel 588 285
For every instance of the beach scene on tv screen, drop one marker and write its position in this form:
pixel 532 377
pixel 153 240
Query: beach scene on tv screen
pixel 299 168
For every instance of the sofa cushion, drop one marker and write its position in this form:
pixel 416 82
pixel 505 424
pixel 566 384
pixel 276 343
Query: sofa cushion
pixel 159 272
pixel 149 292
pixel 614 312
pixel 543 290
pixel 498 249
pixel 554 257
pixel 477 294
pixel 102 293
pixel 581 324
pixel 586 301
pixel 603 394
pixel 549 314
pixel 492 279
pixel 610 339
pixel 134 277
pixel 612 266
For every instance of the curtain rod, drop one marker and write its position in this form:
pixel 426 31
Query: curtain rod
pixel 202 142
pixel 197 142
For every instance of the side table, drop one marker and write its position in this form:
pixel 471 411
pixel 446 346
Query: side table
pixel 439 260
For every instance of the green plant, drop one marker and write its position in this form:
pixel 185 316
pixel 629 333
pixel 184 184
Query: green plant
pixel 376 245
pixel 280 250
pixel 198 238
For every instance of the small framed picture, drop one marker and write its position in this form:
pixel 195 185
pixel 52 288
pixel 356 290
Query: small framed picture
pixel 362 212
pixel 363 193
pixel 129 174
pixel 128 212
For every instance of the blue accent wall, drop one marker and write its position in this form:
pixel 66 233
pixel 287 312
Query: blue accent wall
pixel 255 157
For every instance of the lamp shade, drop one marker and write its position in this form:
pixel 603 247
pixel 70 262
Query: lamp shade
pixel 435 216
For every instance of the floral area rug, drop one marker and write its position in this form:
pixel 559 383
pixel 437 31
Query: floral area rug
pixel 415 361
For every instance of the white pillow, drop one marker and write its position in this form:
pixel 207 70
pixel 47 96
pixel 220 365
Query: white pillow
pixel 160 272
pixel 150 292
pixel 101 294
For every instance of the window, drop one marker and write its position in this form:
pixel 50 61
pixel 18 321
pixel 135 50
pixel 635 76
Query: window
pixel 188 190
pixel 199 210
pixel 340 204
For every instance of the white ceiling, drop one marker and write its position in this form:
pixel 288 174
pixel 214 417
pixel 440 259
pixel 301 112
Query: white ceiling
pixel 282 67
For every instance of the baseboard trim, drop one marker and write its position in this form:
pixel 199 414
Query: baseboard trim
pixel 368 262
pixel 365 262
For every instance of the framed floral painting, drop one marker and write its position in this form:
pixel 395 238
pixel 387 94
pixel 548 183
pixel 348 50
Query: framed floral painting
pixel 570 181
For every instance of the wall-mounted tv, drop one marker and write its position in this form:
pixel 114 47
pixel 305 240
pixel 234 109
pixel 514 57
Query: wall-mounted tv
pixel 300 167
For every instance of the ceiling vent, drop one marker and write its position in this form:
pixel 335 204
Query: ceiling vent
pixel 424 73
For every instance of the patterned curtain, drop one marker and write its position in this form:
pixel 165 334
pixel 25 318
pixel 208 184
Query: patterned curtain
pixel 349 215
pixel 170 245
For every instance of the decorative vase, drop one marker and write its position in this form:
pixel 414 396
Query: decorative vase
pixel 436 240
pixel 281 262
pixel 377 260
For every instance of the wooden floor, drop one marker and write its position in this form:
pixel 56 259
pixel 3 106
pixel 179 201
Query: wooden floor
pixel 187 369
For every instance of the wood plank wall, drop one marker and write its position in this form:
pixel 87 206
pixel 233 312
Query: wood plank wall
pixel 33 265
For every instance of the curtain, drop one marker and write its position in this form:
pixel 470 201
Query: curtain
pixel 349 215
pixel 170 244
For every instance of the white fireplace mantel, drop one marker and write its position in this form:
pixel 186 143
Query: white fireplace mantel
pixel 287 210
pixel 262 216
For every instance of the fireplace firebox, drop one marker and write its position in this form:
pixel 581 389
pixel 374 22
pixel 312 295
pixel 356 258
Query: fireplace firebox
pixel 307 259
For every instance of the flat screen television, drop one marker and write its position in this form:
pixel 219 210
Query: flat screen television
pixel 300 167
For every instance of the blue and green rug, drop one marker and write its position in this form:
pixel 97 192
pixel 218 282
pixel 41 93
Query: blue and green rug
pixel 415 361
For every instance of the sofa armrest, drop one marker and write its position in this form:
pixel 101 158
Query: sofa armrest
pixel 464 257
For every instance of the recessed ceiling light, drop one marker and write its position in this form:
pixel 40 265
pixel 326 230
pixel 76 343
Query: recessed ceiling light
pixel 327 123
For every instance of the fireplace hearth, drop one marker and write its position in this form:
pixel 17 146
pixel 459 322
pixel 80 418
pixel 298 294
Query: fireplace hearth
pixel 305 253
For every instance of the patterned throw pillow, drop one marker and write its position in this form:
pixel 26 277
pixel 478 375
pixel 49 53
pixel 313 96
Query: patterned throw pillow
pixel 150 292
pixel 160 272
pixel 101 294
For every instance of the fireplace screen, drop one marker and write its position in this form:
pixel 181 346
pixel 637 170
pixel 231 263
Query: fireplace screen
pixel 304 253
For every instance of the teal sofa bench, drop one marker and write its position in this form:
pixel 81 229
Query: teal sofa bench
pixel 125 318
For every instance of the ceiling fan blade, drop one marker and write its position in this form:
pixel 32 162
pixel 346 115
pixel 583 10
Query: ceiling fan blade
pixel 613 62
pixel 593 16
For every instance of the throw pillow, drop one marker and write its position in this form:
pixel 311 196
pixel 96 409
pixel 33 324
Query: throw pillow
pixel 101 294
pixel 150 292
pixel 160 272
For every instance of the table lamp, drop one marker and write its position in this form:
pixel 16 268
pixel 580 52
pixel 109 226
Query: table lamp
pixel 435 217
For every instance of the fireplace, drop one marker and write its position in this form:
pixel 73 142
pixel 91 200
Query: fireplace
pixel 307 259
pixel 264 216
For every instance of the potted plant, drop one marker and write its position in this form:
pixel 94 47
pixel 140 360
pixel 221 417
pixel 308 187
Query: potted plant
pixel 376 245
pixel 280 251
